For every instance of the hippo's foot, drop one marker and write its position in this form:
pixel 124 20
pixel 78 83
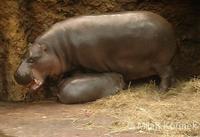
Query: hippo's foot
pixel 167 78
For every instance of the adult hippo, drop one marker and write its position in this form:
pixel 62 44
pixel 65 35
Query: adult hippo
pixel 89 87
pixel 135 44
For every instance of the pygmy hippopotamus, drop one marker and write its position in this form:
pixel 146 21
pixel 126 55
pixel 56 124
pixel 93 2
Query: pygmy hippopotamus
pixel 89 87
pixel 134 44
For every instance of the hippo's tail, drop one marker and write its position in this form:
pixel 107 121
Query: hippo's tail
pixel 178 46
pixel 177 50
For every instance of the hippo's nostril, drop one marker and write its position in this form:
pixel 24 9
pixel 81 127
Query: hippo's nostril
pixel 22 79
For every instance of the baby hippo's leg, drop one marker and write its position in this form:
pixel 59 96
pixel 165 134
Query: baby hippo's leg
pixel 89 87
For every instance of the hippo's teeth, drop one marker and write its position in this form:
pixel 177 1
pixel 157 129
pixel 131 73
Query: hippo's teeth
pixel 38 82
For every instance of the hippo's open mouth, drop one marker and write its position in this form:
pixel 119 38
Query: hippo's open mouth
pixel 35 84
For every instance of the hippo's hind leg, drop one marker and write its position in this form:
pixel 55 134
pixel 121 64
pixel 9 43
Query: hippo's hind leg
pixel 167 77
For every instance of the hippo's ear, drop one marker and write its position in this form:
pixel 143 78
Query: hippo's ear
pixel 43 47
pixel 30 44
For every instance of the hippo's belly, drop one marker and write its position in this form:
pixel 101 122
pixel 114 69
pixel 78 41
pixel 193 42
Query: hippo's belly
pixel 132 56
pixel 125 61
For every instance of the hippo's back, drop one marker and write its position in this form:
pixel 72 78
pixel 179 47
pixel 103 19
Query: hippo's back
pixel 130 43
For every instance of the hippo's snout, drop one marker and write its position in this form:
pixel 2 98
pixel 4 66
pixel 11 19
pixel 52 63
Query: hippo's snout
pixel 23 75
pixel 22 79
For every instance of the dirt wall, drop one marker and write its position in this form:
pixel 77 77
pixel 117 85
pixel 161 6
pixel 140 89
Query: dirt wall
pixel 23 20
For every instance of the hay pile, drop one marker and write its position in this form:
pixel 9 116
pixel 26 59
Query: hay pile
pixel 142 109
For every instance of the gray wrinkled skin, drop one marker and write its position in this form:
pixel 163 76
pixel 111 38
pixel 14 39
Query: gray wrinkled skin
pixel 89 87
pixel 135 44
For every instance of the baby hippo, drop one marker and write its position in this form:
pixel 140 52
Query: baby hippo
pixel 89 87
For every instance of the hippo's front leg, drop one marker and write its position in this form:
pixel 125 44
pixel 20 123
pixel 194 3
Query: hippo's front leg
pixel 89 87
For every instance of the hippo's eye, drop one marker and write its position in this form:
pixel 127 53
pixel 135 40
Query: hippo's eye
pixel 32 59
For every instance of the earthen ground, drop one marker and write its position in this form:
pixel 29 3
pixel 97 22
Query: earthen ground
pixel 52 119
